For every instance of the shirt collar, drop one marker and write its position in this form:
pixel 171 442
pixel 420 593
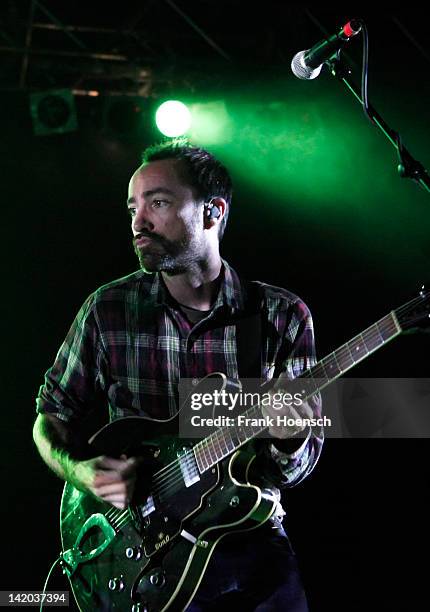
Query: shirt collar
pixel 230 293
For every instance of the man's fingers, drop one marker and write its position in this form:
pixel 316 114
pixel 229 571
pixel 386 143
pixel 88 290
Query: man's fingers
pixel 117 493
pixel 118 466
pixel 119 501
pixel 109 463
pixel 294 417
pixel 305 410
pixel 285 431
pixel 111 472
pixel 130 466
pixel 108 489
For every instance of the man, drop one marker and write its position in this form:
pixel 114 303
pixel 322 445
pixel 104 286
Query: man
pixel 134 338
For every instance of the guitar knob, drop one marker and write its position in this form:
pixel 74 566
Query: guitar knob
pixel 116 584
pixel 133 552
pixel 234 502
pixel 157 579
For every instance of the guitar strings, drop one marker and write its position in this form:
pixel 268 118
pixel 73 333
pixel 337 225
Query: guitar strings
pixel 344 353
pixel 170 485
pixel 414 302
pixel 399 311
pixel 116 516
pixel 174 484
pixel 171 475
pixel 189 460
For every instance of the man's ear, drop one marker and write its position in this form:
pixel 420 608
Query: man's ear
pixel 214 211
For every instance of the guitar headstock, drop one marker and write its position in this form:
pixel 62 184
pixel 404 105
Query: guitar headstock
pixel 416 313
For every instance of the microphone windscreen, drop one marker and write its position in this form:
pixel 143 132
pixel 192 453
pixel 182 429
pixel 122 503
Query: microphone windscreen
pixel 299 68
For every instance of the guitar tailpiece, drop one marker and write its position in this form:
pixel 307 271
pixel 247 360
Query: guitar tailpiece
pixel 66 568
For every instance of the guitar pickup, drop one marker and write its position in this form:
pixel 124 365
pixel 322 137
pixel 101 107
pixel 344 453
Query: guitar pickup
pixel 188 466
pixel 147 508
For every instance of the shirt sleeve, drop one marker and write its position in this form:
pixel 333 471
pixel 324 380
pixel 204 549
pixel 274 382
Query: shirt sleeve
pixel 73 384
pixel 295 458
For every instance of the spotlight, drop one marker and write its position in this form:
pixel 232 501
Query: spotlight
pixel 173 118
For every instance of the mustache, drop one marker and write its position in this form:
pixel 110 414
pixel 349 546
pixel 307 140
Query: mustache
pixel 151 235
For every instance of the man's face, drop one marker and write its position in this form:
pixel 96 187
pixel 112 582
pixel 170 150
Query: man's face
pixel 167 223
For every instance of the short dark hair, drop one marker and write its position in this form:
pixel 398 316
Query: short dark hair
pixel 208 177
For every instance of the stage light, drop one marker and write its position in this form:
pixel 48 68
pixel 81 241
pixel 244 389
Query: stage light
pixel 212 123
pixel 173 118
pixel 53 112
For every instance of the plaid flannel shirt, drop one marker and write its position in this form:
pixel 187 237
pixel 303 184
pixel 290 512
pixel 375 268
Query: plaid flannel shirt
pixel 130 344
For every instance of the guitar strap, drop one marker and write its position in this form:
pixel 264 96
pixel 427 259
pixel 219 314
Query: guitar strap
pixel 248 332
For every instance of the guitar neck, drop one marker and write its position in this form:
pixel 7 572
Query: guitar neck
pixel 226 440
pixel 353 352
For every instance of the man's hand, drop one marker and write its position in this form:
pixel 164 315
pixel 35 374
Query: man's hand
pixel 111 480
pixel 287 409
pixel 287 429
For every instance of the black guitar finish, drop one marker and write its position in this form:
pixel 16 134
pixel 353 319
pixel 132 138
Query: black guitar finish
pixel 151 557
pixel 155 552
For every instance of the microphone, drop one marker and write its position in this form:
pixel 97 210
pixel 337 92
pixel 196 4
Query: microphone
pixel 307 64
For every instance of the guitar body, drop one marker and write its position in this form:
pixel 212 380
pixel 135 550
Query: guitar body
pixel 153 555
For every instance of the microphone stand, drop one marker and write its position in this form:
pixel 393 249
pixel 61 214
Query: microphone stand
pixel 408 166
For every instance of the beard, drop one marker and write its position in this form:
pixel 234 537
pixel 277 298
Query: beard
pixel 162 255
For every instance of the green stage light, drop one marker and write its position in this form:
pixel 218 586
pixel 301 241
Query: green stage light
pixel 173 118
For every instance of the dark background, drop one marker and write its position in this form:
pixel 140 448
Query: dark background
pixel 360 522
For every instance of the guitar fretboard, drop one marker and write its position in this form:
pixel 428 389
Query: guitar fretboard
pixel 351 353
pixel 226 440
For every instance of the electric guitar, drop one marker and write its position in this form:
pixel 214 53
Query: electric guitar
pixel 151 557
